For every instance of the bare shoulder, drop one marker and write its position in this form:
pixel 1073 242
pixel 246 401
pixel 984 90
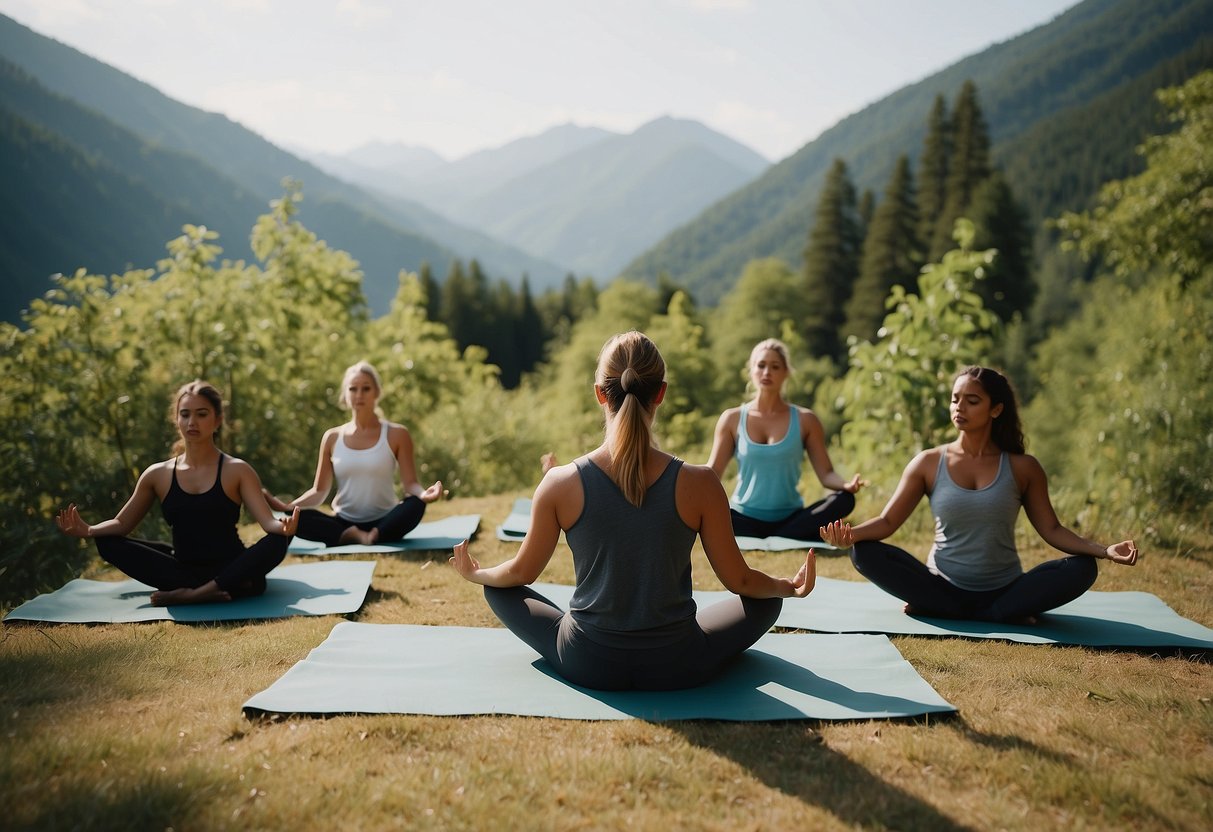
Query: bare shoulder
pixel 557 477
pixel 697 477
pixel 927 461
pixel 158 472
pixel 729 418
pixel 808 419
pixel 1026 468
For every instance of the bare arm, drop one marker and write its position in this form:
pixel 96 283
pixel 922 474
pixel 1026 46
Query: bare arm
pixel 402 442
pixel 910 490
pixel 254 501
pixel 1039 509
pixel 538 545
pixel 819 457
pixel 322 483
pixel 71 523
pixel 703 505
pixel 724 442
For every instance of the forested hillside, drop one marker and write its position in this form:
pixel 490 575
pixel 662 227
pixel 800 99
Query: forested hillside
pixel 1100 51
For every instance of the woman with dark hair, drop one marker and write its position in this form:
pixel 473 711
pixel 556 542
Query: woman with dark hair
pixel 363 456
pixel 770 437
pixel 201 490
pixel 630 514
pixel 976 485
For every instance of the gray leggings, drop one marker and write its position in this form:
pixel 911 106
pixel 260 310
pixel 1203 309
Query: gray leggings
pixel 716 636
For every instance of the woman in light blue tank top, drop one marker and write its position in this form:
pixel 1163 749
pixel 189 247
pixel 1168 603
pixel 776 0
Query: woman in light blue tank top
pixel 769 437
pixel 976 485
pixel 631 514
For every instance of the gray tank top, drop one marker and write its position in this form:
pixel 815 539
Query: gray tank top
pixel 633 564
pixel 975 530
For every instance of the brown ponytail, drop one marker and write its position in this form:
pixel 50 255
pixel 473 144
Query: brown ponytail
pixel 630 375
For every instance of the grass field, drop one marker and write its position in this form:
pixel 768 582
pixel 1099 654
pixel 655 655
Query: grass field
pixel 138 726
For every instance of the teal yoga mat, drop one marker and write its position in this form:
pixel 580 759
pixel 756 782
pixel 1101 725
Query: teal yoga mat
pixel 1097 619
pixel 519 520
pixel 435 534
pixel 448 671
pixel 332 587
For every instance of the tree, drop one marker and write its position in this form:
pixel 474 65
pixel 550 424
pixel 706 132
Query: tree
pixel 892 255
pixel 831 262
pixel 1002 224
pixel 968 165
pixel 933 170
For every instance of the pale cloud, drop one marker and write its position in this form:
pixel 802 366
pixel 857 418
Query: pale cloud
pixel 762 129
pixel 42 13
pixel 259 6
pixel 716 5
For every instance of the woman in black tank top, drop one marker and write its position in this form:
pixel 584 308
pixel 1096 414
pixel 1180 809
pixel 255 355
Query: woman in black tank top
pixel 200 490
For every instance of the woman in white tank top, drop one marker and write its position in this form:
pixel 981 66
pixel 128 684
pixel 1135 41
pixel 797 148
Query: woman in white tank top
pixel 976 485
pixel 362 456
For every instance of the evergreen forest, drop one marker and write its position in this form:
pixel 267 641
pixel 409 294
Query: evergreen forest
pixel 895 290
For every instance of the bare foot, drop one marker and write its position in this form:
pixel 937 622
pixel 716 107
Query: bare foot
pixel 207 593
pixel 356 535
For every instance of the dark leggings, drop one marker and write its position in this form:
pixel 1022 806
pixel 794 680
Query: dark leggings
pixel 328 528
pixel 718 635
pixel 802 524
pixel 154 563
pixel 1042 588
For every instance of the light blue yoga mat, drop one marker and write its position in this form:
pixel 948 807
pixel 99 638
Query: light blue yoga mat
pixel 448 671
pixel 435 534
pixel 519 520
pixel 516 524
pixel 332 587
pixel 1097 619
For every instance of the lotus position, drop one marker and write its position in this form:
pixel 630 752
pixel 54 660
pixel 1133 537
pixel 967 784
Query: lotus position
pixel 630 515
pixel 201 490
pixel 363 456
pixel 976 485
pixel 770 436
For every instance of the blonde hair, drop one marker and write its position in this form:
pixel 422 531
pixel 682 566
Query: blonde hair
pixel 354 369
pixel 206 390
pixel 630 375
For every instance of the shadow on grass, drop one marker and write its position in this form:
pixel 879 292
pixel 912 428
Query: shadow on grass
pixel 793 759
pixel 51 673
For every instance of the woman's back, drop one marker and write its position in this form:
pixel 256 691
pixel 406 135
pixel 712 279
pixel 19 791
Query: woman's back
pixel 633 563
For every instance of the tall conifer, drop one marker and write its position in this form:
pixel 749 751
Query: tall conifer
pixel 933 170
pixel 831 261
pixel 968 166
pixel 1002 224
pixel 891 257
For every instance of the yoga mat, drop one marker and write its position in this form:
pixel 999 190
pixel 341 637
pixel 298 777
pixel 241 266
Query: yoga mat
pixel 516 524
pixel 332 587
pixel 447 671
pixel 519 520
pixel 1096 619
pixel 436 534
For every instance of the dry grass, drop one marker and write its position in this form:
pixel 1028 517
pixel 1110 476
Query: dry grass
pixel 138 726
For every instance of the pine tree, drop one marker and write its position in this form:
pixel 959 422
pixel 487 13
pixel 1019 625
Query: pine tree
pixel 831 262
pixel 530 333
pixel 433 292
pixel 457 304
pixel 933 170
pixel 867 209
pixel 892 255
pixel 968 166
pixel 1003 225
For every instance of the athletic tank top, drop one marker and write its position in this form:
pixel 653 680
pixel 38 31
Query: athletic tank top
pixel 366 487
pixel 767 475
pixel 975 530
pixel 632 564
pixel 204 525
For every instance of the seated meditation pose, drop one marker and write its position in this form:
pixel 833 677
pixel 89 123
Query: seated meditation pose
pixel 363 455
pixel 630 514
pixel 976 485
pixel 201 490
pixel 769 436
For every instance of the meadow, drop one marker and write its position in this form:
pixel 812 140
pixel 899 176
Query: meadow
pixel 139 726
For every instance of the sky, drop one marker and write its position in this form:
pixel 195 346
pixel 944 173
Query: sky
pixel 457 76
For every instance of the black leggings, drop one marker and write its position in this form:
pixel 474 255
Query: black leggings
pixel 1042 588
pixel 154 563
pixel 802 524
pixel 328 528
pixel 718 635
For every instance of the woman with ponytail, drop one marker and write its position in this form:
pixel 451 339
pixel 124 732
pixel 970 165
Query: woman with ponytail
pixel 976 485
pixel 200 490
pixel 630 514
